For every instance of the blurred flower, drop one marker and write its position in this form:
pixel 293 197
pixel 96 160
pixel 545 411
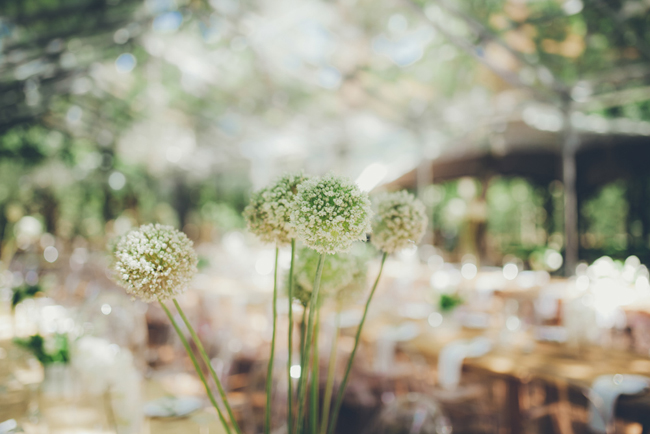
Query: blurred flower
pixel 331 213
pixel 269 213
pixel 28 230
pixel 400 221
pixel 154 262
pixel 342 272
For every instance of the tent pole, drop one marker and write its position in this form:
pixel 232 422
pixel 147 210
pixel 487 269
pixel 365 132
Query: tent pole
pixel 424 178
pixel 570 142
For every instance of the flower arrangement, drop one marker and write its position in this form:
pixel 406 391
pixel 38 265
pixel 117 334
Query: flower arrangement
pixel 328 215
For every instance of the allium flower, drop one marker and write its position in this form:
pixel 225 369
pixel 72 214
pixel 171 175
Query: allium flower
pixel 330 213
pixel 340 271
pixel 269 213
pixel 154 262
pixel 400 221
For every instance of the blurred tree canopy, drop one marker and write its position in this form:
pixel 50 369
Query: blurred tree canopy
pixel 171 110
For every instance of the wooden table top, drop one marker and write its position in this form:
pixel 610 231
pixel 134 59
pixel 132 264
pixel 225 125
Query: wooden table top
pixel 548 361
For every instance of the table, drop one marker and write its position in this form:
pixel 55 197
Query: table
pixel 552 363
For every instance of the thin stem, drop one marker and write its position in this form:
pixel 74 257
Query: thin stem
pixel 344 383
pixel 196 366
pixel 313 301
pixel 206 359
pixel 331 370
pixel 313 413
pixel 108 408
pixel 269 371
pixel 290 344
pixel 303 325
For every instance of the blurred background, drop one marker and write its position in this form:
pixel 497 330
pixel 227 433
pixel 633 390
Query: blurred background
pixel 523 125
pixel 499 114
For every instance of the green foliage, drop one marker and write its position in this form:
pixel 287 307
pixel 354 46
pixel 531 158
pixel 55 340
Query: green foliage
pixel 24 292
pixel 605 219
pixel 448 302
pixel 56 351
pixel 516 214
pixel 23 145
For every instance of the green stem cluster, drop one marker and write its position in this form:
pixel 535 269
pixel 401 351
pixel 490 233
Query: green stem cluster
pixel 197 367
pixel 308 352
pixel 348 368
pixel 313 307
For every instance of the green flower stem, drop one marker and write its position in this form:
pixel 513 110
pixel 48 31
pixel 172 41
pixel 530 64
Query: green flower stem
pixel 290 342
pixel 196 366
pixel 331 370
pixel 269 371
pixel 303 325
pixel 339 398
pixel 313 413
pixel 313 303
pixel 206 359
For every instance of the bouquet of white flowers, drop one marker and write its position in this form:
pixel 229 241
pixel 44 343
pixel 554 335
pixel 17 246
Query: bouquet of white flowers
pixel 327 215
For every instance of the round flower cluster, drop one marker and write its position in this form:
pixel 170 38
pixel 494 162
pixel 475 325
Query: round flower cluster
pixel 341 272
pixel 330 213
pixel 269 213
pixel 154 262
pixel 400 221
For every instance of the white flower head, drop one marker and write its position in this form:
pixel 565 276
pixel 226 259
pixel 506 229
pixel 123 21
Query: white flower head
pixel 339 273
pixel 399 222
pixel 154 262
pixel 330 213
pixel 269 213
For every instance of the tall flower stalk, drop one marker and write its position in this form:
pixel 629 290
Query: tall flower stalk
pixel 269 216
pixel 329 214
pixel 331 370
pixel 269 372
pixel 290 342
pixel 197 367
pixel 313 400
pixel 304 363
pixel 400 221
pixel 156 263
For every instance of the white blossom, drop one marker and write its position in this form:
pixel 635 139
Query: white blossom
pixel 399 222
pixel 269 213
pixel 330 213
pixel 154 262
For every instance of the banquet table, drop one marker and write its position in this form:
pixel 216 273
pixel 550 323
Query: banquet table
pixel 550 362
